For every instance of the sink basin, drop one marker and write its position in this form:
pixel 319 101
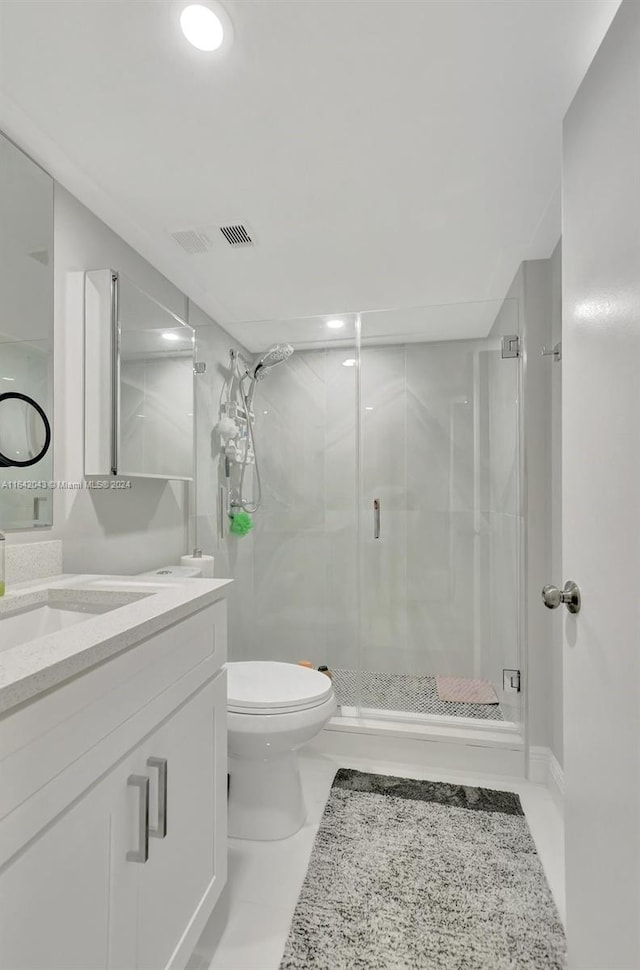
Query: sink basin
pixel 30 615
pixel 39 621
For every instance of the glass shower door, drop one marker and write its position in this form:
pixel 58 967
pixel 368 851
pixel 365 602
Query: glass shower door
pixel 440 514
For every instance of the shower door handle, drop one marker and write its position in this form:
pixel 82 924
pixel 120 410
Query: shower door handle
pixel 222 510
pixel 376 518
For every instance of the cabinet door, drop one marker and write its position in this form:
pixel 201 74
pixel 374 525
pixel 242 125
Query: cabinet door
pixel 54 896
pixel 77 899
pixel 186 871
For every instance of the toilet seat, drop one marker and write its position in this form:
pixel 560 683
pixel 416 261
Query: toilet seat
pixel 273 710
pixel 270 687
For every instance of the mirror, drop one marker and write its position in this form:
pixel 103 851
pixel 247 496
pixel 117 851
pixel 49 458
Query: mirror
pixel 25 432
pixel 156 388
pixel 26 340
pixel 139 358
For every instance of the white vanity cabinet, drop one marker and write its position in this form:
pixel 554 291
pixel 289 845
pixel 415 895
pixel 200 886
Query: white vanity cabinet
pixel 113 812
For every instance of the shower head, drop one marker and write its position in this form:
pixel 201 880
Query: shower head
pixel 274 355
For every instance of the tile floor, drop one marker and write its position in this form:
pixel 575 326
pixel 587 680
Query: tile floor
pixel 265 877
pixel 409 693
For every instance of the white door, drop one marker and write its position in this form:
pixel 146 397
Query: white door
pixel 601 502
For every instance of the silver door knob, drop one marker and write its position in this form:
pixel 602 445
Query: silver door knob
pixel 552 597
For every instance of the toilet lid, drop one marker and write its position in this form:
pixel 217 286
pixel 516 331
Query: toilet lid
pixel 255 687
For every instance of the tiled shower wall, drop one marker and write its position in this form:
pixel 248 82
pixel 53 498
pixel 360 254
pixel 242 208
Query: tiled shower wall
pixel 305 579
pixel 439 433
pixel 233 556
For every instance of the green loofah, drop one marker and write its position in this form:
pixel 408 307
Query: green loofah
pixel 241 523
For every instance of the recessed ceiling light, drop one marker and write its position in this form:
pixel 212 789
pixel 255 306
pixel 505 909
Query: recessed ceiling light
pixel 171 336
pixel 335 324
pixel 203 26
pixel 349 362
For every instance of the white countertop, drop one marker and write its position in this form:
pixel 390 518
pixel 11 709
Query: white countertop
pixel 138 607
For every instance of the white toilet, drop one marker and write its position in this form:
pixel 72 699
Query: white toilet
pixel 274 708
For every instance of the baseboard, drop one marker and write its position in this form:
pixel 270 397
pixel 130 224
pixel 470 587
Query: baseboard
pixel 478 751
pixel 539 765
pixel 545 769
pixel 555 782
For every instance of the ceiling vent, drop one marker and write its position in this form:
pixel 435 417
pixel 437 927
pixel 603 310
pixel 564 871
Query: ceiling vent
pixel 236 235
pixel 193 241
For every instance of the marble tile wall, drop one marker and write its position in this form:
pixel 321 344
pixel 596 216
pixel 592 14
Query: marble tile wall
pixel 234 557
pixel 417 454
pixel 305 538
pixel 438 440
pixel 438 435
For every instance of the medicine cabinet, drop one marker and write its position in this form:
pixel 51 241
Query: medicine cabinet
pixel 139 383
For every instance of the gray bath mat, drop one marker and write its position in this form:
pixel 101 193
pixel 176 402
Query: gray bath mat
pixel 420 875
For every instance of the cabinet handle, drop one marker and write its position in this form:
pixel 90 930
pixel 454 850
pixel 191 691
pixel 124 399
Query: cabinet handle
pixel 141 854
pixel 376 518
pixel 160 831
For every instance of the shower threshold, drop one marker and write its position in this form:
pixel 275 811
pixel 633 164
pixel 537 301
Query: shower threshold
pixel 408 696
pixel 384 728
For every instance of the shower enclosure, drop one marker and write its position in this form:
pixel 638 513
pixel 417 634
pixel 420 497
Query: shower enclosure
pixel 388 544
pixel 439 523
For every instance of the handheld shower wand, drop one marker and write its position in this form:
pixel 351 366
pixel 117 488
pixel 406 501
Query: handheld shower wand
pixel 254 372
pixel 274 355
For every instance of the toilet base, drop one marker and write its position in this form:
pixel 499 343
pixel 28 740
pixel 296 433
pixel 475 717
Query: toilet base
pixel 265 798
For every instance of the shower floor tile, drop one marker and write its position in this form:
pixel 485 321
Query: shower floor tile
pixel 410 693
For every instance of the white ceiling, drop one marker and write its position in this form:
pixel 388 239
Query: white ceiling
pixel 392 153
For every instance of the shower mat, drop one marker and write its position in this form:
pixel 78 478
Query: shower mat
pixel 460 690
pixel 410 874
pixel 405 693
